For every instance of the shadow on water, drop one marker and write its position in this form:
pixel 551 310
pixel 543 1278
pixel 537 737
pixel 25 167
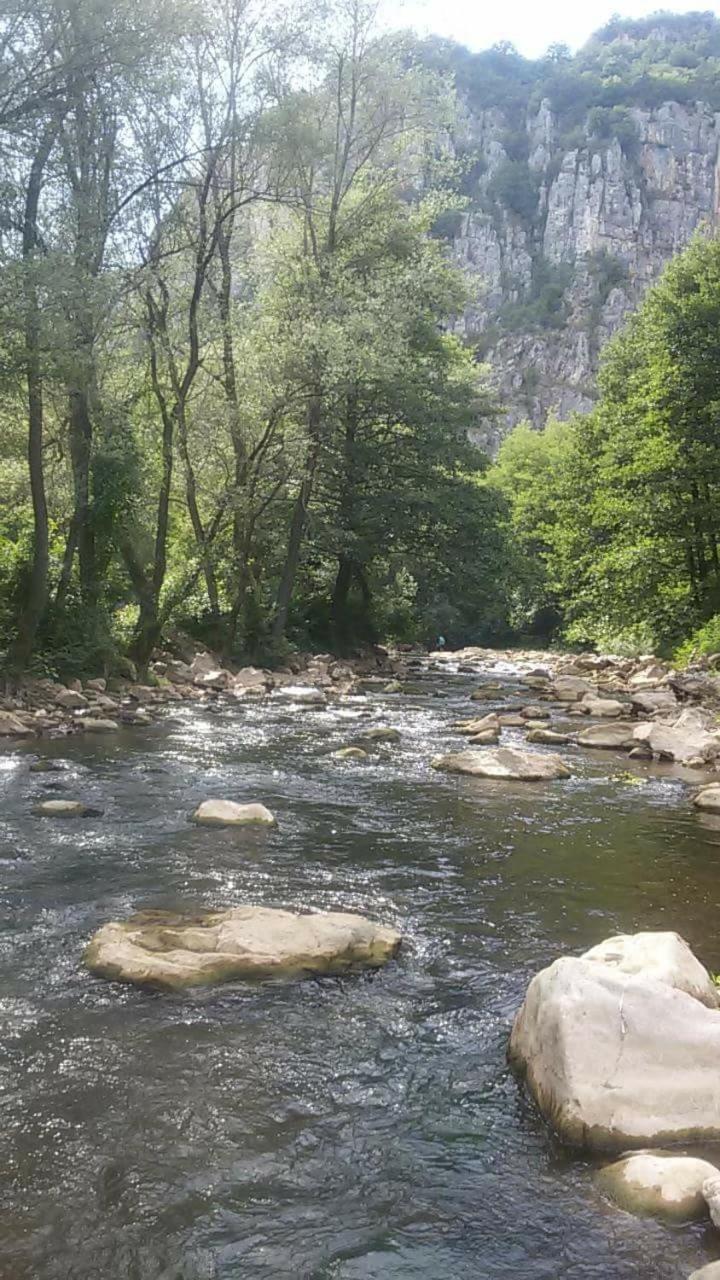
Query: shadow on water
pixel 340 1129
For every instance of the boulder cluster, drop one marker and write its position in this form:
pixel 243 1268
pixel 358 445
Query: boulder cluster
pixel 620 1048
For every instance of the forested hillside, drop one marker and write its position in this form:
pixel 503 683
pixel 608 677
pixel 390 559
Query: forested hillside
pixel 266 275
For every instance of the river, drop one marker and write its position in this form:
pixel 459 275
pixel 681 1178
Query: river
pixel 356 1128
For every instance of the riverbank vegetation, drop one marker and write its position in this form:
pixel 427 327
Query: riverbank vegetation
pixel 614 514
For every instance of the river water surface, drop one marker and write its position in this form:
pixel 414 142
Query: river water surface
pixel 362 1128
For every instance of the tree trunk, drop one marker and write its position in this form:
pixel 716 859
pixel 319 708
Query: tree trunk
pixel 37 592
pixel 80 454
pixel 339 605
pixel 295 536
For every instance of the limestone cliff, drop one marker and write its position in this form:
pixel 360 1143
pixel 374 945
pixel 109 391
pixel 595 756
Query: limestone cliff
pixel 560 243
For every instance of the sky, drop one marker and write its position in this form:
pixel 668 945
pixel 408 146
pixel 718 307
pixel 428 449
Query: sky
pixel 531 25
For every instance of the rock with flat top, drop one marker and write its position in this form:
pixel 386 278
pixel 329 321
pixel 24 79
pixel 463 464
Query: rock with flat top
pixel 160 949
pixel 660 1183
pixel 351 753
pixel 710 1272
pixel 506 763
pixel 620 1047
pixel 95 724
pixel 226 813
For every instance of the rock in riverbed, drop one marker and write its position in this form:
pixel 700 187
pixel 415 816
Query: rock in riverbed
pixel 226 813
pixel 64 809
pixel 708 798
pixel 504 762
pixel 710 1272
pixel 668 1185
pixel 160 949
pixel 607 737
pixel 549 737
pixel 620 1046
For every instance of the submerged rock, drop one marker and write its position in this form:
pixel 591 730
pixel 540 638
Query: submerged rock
pixel 381 734
pixel 175 951
pixel 226 813
pixel 620 1047
pixel 668 1185
pixel 351 753
pixel 506 763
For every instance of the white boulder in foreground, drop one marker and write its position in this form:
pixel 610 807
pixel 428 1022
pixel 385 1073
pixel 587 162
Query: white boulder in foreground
pixel 506 763
pixel 617 1052
pixel 710 1272
pixel 226 813
pixel 161 949
pixel 670 1186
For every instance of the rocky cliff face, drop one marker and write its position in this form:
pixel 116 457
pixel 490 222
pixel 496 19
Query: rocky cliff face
pixel 562 236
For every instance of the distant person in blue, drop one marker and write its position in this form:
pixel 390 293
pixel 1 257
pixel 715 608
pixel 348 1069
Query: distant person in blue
pixel 441 642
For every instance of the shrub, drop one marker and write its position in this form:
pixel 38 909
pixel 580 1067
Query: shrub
pixel 703 641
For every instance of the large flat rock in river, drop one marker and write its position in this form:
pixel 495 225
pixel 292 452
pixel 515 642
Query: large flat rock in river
pixel 162 949
pixel 506 763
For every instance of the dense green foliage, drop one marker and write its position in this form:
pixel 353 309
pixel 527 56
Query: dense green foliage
pixel 615 514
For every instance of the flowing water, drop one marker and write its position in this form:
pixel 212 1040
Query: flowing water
pixel 361 1128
